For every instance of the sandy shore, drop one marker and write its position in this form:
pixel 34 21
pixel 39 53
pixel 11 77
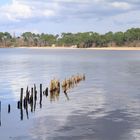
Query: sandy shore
pixel 103 48
pixel 116 48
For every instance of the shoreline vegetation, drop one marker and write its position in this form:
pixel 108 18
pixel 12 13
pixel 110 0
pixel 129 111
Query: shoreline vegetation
pixel 128 40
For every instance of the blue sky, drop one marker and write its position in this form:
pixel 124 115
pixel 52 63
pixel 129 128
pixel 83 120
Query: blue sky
pixel 4 1
pixel 57 16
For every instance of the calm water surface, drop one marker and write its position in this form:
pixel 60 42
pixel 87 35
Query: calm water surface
pixel 104 107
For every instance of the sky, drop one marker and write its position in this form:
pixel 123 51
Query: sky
pixel 57 16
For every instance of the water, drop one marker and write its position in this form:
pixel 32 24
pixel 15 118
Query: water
pixel 104 107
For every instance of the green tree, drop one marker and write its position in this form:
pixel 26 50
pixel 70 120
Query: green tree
pixel 119 38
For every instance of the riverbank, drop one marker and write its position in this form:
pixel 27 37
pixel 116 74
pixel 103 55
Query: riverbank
pixel 102 48
pixel 97 48
pixel 115 48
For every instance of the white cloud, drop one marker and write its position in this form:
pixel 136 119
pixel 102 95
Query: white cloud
pixel 75 1
pixel 20 10
pixel 16 11
pixel 78 1
pixel 24 10
pixel 49 13
pixel 121 5
pixel 30 14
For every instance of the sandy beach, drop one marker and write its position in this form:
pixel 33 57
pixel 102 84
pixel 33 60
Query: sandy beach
pixel 103 48
pixel 116 48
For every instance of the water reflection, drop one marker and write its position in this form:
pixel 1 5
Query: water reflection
pixel 114 125
pixel 111 88
pixel 54 95
pixel 66 94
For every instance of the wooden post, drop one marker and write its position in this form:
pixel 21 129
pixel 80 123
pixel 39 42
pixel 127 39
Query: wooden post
pixel 31 97
pixel 21 94
pixel 21 97
pixel 40 95
pixel 34 88
pixel 41 89
pixel 35 93
pixel 31 100
pixel 9 108
pixel 27 94
pixel 25 102
pixel 46 91
pixel 35 97
pixel 58 88
pixel 18 104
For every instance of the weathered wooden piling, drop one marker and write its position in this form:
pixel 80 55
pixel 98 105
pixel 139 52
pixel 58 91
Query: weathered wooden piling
pixel 31 96
pixel 9 108
pixel 18 104
pixel 21 97
pixel 52 86
pixel 46 92
pixel 27 94
pixel 40 88
pixel 71 82
pixel 25 103
pixel 35 93
pixel 32 92
pixel 31 100
pixel 35 96
pixel 58 86
pixel 40 95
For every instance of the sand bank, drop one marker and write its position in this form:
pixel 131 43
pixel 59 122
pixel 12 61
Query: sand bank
pixel 103 48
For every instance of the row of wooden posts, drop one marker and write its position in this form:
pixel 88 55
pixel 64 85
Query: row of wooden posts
pixel 29 98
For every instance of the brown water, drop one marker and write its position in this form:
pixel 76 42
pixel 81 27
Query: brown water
pixel 104 107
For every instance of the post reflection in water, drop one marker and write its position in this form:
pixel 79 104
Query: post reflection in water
pixel 21 113
pixel 67 96
pixel 54 95
pixel 27 113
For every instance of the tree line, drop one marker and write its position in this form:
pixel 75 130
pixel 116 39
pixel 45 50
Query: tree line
pixel 130 38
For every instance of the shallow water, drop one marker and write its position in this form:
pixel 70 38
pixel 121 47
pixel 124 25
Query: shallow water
pixel 106 106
